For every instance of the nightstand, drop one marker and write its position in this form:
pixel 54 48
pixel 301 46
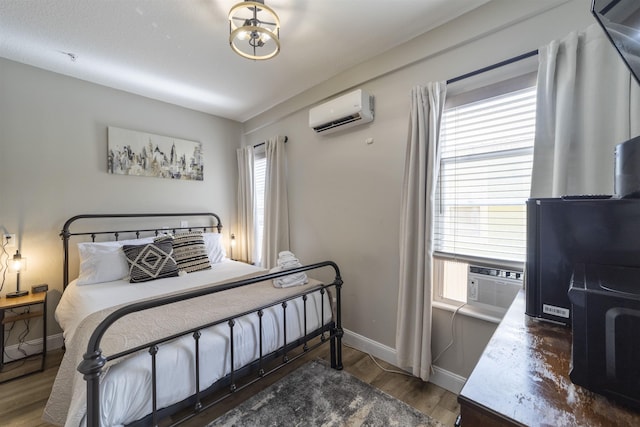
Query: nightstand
pixel 23 308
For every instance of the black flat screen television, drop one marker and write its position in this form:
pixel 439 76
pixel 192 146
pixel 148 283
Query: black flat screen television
pixel 620 20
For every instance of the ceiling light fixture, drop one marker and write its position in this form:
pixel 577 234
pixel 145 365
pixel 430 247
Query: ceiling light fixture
pixel 254 30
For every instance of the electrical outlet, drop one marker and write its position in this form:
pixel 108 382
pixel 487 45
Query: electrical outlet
pixel 8 240
pixel 184 224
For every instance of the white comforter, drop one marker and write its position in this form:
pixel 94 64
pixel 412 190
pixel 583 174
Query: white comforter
pixel 126 387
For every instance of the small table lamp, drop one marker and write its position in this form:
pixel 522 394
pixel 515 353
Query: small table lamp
pixel 18 264
pixel 233 245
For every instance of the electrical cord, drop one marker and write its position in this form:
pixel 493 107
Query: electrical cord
pixel 21 338
pixel 6 263
pixel 7 335
pixel 453 336
pixel 391 371
pixel 24 334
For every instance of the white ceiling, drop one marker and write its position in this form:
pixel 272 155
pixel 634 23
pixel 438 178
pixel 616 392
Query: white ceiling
pixel 178 51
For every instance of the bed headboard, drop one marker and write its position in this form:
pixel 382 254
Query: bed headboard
pixel 113 226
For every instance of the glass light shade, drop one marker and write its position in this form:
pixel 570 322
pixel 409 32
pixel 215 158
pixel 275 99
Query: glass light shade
pixel 18 263
pixel 258 35
pixel 232 245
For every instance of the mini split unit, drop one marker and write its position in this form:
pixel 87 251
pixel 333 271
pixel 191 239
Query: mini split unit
pixel 352 109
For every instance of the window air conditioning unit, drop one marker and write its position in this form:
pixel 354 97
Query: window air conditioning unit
pixel 352 109
pixel 493 288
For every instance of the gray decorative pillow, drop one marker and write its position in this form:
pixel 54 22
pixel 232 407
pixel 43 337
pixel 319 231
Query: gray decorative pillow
pixel 189 251
pixel 151 261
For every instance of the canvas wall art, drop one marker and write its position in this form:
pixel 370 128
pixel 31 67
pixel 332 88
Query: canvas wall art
pixel 145 154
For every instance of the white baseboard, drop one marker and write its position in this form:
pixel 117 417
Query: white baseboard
pixel 441 377
pixel 32 347
pixel 367 345
pixel 447 380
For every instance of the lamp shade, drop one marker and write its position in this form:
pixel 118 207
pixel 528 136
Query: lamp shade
pixel 254 30
pixel 18 263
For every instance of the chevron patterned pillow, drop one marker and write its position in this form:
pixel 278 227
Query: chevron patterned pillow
pixel 151 261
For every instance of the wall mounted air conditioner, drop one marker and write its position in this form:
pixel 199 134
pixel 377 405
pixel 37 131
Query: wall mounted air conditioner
pixel 352 109
pixel 492 288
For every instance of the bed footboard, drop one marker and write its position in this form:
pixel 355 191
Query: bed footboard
pixel 94 360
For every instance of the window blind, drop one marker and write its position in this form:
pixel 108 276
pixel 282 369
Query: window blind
pixel 259 175
pixel 485 177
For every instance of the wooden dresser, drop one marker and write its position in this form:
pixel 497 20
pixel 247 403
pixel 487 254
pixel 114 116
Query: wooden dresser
pixel 522 378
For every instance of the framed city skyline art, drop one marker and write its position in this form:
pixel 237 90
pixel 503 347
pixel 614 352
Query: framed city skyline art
pixel 145 154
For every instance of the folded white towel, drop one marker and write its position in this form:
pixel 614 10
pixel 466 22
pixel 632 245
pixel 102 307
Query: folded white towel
pixel 286 261
pixel 289 264
pixel 296 279
pixel 285 254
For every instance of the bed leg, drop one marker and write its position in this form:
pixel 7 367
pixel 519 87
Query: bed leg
pixel 336 337
pixel 336 349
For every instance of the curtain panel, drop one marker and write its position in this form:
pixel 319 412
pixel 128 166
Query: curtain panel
pixel 245 236
pixel 276 204
pixel 587 103
pixel 413 333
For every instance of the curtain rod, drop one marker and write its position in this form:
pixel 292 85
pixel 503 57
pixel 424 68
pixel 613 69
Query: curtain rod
pixel 494 66
pixel 286 138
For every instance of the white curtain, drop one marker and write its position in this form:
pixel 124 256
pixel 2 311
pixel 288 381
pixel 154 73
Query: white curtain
pixel 276 205
pixel 245 236
pixel 413 333
pixel 587 103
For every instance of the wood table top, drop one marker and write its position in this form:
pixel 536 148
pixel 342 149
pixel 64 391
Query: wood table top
pixel 523 378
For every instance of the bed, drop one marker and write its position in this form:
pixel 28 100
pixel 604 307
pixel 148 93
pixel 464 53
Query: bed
pixel 136 353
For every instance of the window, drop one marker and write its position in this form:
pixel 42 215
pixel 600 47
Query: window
pixel 486 157
pixel 259 175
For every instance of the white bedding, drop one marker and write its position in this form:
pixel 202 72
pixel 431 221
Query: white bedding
pixel 126 387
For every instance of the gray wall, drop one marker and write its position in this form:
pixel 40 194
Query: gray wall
pixel 53 163
pixel 344 194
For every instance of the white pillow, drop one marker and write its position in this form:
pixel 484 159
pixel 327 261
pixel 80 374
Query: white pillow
pixel 104 261
pixel 215 248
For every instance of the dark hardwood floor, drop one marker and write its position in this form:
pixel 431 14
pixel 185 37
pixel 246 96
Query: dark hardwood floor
pixel 22 400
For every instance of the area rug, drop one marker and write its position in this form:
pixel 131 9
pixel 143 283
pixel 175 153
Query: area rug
pixel 316 395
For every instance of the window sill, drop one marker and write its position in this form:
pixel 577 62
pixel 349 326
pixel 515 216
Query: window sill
pixel 470 311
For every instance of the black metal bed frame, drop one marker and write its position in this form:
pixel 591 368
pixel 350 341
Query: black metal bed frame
pixel 94 361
